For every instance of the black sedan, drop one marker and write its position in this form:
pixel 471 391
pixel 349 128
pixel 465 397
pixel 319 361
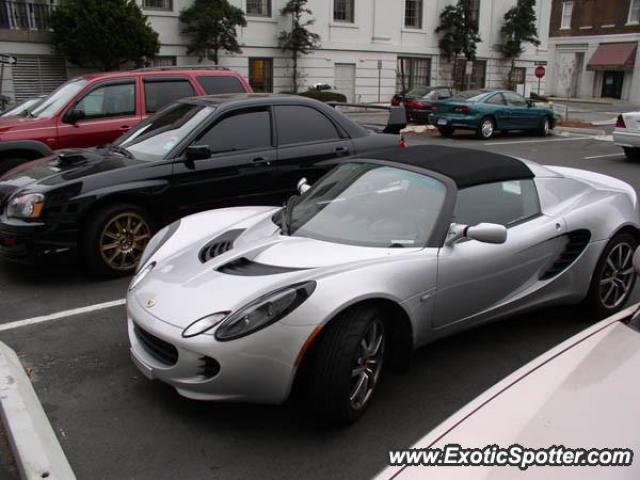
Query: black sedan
pixel 419 101
pixel 197 154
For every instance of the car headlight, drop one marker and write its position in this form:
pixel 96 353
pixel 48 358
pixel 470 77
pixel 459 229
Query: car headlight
pixel 203 325
pixel 156 242
pixel 264 311
pixel 26 206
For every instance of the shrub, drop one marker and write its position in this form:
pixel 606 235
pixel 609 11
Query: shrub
pixel 324 96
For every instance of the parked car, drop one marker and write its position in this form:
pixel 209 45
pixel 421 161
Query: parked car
pixel 370 262
pixel 98 108
pixel 23 108
pixel 419 101
pixel 487 111
pixel 626 134
pixel 196 154
pixel 580 394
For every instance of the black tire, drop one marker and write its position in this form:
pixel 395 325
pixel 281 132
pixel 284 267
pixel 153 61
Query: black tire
pixel 331 381
pixel 545 127
pixel 97 229
pixel 486 134
pixel 594 304
pixel 632 153
pixel 446 131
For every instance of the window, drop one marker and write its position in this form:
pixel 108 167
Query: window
pixel 221 84
pixel 475 12
pixel 515 99
pixel 476 79
pixel 413 13
pixel 412 72
pixel 158 5
pixel 160 93
pixel 567 13
pixel 443 93
pixel 504 203
pixel 163 61
pixel 518 76
pixel 115 100
pixel 343 10
pixel 261 74
pixel 634 12
pixel 497 99
pixel 297 124
pixel 259 8
pixel 230 133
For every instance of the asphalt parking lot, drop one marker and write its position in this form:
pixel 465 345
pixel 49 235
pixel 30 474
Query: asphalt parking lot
pixel 115 424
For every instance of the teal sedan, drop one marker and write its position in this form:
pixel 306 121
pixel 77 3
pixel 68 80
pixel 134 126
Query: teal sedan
pixel 487 111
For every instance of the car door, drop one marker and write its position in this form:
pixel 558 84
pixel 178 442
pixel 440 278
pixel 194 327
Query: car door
pixel 305 137
pixel 109 109
pixel 524 116
pixel 498 107
pixel 476 279
pixel 238 171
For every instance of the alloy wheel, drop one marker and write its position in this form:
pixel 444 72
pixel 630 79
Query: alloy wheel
pixel 545 127
pixel 487 128
pixel 617 276
pixel 368 365
pixel 123 240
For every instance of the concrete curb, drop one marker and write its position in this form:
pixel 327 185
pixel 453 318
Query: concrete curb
pixel 583 131
pixel 35 445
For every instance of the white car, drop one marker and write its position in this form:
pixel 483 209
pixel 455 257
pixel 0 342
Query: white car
pixel 627 134
pixel 387 252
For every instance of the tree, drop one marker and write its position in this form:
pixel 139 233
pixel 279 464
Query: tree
pixel 518 29
pixel 102 34
pixel 459 31
pixel 211 24
pixel 298 41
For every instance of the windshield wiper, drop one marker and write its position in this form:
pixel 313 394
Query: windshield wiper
pixel 287 212
pixel 110 147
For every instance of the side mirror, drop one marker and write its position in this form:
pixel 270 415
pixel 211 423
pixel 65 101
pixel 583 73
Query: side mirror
pixel 197 152
pixel 303 186
pixel 73 116
pixel 482 232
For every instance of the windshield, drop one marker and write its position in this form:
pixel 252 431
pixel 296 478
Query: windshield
pixel 22 107
pixel 419 92
pixel 156 137
pixel 470 96
pixel 370 205
pixel 55 102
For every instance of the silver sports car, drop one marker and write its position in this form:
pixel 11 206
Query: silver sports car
pixel 384 254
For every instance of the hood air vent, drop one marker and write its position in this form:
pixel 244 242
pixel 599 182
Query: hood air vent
pixel 219 245
pixel 577 241
pixel 247 268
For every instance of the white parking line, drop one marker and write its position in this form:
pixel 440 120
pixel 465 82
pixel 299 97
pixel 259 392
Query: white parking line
pixel 59 315
pixel 604 156
pixel 572 139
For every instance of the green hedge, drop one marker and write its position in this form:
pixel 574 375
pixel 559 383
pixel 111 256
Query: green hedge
pixel 538 98
pixel 324 96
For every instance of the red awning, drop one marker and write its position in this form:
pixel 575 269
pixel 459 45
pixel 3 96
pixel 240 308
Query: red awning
pixel 614 56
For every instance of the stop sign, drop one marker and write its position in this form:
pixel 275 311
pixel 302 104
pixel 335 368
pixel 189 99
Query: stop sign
pixel 540 71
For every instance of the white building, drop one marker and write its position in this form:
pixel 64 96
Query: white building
pixel 367 46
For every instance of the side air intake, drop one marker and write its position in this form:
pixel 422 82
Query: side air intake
pixel 577 241
pixel 219 245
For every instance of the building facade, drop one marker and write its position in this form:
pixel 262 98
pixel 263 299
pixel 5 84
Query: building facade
pixel 593 49
pixel 370 49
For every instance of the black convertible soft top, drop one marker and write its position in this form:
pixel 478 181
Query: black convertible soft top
pixel 466 167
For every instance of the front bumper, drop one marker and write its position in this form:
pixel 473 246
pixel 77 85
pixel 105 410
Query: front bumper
pixel 30 242
pixel 257 368
pixel 626 138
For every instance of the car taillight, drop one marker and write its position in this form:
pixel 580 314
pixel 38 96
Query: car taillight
pixel 395 101
pixel 463 109
pixel 620 122
pixel 417 104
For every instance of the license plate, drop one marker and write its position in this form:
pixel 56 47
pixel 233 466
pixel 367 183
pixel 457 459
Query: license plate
pixel 442 121
pixel 146 371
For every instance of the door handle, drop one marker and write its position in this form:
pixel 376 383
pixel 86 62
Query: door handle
pixel 124 128
pixel 342 151
pixel 261 161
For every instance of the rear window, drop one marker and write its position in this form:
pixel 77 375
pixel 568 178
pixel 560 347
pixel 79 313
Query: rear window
pixel 160 93
pixel 217 85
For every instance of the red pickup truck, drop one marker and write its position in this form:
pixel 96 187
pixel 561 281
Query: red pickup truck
pixel 96 109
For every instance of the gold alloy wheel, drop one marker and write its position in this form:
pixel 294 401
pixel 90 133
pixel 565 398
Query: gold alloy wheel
pixel 122 241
